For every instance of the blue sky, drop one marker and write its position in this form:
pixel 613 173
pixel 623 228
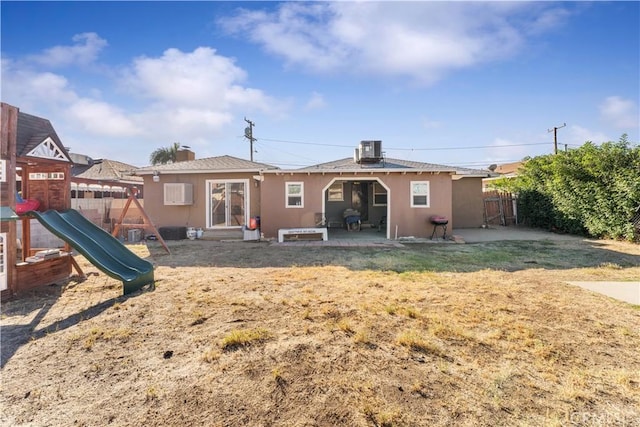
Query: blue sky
pixel 455 83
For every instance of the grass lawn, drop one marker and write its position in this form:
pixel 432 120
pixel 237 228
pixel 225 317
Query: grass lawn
pixel 247 334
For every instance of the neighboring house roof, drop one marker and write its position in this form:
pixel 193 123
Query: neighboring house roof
pixel 484 173
pixel 32 136
pixel 106 170
pixel 509 168
pixel 207 165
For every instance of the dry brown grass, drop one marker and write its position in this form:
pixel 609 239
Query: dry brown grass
pixel 243 334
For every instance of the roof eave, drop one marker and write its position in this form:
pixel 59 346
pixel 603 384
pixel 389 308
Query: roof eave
pixel 473 175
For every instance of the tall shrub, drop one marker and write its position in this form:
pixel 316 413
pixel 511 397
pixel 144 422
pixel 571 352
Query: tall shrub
pixel 592 190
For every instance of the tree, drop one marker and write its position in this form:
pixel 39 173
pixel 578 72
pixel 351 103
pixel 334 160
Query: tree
pixel 165 155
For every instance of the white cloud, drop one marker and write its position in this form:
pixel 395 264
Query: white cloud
pixel 421 40
pixel 84 51
pixel 315 102
pixel 619 112
pixel 546 19
pixel 198 80
pixel 193 94
pixel 504 150
pixel 100 118
pixel 31 89
pixel 191 97
pixel 427 123
pixel 578 135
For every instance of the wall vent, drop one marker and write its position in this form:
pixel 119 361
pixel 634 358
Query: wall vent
pixel 178 194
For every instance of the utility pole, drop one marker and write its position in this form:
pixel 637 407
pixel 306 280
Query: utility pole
pixel 555 137
pixel 248 133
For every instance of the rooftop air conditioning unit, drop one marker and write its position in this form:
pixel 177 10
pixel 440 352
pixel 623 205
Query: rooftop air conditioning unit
pixel 178 194
pixel 370 151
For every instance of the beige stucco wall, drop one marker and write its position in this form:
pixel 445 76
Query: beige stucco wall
pixel 191 215
pixel 409 221
pixel 468 205
pixel 460 201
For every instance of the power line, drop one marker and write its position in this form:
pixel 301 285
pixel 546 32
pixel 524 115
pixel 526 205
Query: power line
pixel 407 149
pixel 462 164
pixel 466 148
pixel 271 147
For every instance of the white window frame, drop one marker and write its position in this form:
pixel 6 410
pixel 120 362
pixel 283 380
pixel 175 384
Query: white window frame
pixel 56 175
pixel 38 176
pixel 288 194
pixel 3 170
pixel 247 201
pixel 384 191
pixel 415 194
pixel 336 194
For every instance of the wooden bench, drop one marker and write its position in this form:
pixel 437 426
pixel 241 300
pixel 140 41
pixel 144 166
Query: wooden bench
pixel 302 234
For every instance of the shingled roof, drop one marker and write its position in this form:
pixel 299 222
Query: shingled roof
pixel 33 131
pixel 106 170
pixel 387 164
pixel 207 165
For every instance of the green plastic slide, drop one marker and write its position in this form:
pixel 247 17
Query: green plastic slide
pixel 99 247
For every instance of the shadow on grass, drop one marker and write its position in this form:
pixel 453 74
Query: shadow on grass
pixel 513 255
pixel 12 337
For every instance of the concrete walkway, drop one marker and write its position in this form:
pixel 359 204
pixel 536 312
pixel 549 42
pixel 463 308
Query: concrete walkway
pixel 623 291
pixel 498 233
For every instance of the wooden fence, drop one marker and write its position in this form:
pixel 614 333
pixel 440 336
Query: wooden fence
pixel 500 208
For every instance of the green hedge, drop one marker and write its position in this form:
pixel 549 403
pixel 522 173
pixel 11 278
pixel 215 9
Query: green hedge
pixel 593 190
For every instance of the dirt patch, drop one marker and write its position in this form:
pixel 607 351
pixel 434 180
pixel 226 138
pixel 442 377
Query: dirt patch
pixel 247 334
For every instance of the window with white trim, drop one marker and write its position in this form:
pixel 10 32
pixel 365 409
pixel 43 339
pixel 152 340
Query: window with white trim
pixel 56 175
pixel 43 176
pixel 3 170
pixel 294 194
pixel 420 194
pixel 379 195
pixel 336 192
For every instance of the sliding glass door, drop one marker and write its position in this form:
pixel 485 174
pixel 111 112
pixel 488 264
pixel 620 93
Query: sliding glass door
pixel 228 203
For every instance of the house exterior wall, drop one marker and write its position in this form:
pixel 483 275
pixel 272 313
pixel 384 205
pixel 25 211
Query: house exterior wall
pixel 415 221
pixel 411 221
pixel 193 215
pixel 274 213
pixel 468 204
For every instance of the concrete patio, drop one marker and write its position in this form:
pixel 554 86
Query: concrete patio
pixel 373 237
